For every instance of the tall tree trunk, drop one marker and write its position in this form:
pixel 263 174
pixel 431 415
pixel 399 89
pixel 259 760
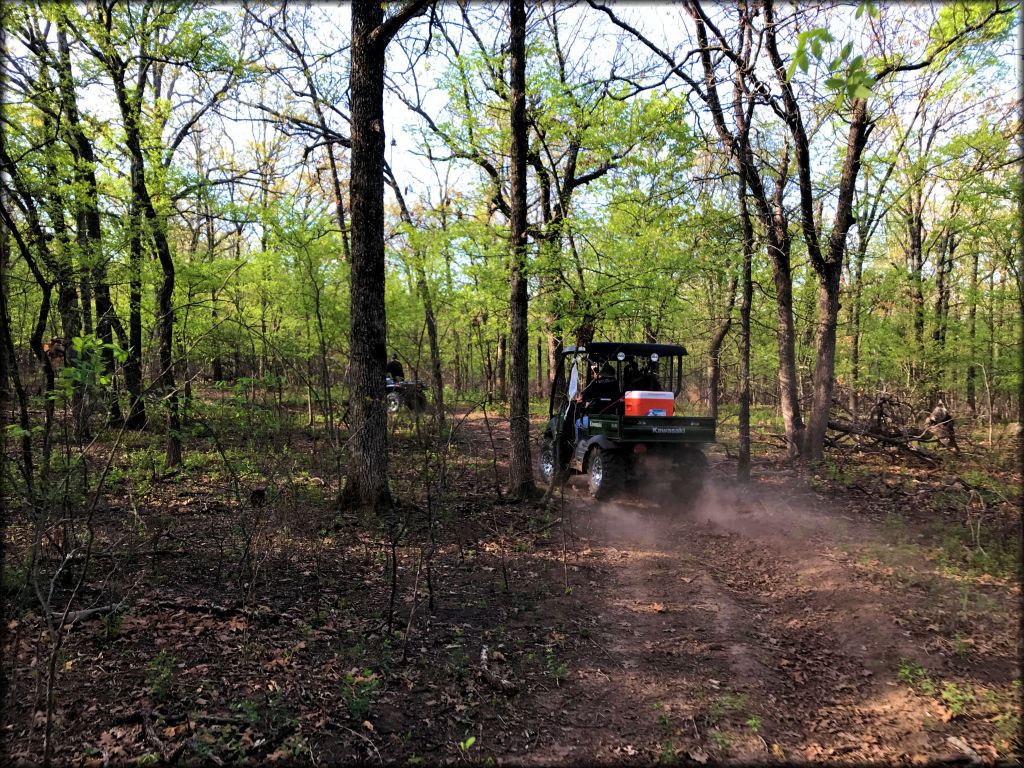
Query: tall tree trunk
pixel 540 369
pixel 8 363
pixel 68 311
pixel 858 290
pixel 714 367
pixel 941 268
pixel 459 386
pixel 366 483
pixel 554 348
pixel 915 256
pixel 830 270
pixel 778 247
pixel 89 230
pixel 824 365
pixel 61 265
pixel 165 299
pixel 133 362
pixel 972 323
pixel 947 244
pixel 521 484
pixel 743 112
pixel 157 227
pixel 829 266
pixel 85 291
pixel 991 311
pixel 743 463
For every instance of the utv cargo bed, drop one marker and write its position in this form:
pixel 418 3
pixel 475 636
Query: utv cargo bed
pixel 655 429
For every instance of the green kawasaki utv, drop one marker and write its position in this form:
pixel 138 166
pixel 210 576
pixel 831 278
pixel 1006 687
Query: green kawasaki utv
pixel 611 416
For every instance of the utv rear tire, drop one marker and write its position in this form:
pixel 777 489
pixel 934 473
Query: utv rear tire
pixel 607 473
pixel 546 462
pixel 691 472
pixel 393 402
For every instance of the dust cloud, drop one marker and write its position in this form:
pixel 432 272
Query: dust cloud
pixel 630 524
pixel 656 517
pixel 757 511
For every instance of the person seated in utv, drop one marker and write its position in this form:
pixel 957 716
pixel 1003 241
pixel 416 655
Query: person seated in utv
pixel 648 379
pixel 599 395
pixel 632 378
pixel 394 369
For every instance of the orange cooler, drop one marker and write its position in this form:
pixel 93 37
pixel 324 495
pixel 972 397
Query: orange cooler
pixel 641 403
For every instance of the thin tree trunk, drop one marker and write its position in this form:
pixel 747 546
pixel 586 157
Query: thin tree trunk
pixel 7 363
pixel 133 363
pixel 500 366
pixel 714 367
pixel 743 117
pixel 972 323
pixel 540 368
pixel 743 463
pixel 458 364
pixel 165 294
pixel 858 289
pixel 915 226
pixel 778 245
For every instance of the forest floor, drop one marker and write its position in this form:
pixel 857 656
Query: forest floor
pixel 867 614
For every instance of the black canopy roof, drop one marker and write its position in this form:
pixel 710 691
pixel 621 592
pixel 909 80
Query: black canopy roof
pixel 606 349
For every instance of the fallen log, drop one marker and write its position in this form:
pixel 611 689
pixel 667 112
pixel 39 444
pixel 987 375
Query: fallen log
pixel 494 680
pixel 900 441
pixel 73 617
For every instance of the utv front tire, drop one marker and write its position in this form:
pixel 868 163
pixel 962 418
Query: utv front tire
pixel 607 473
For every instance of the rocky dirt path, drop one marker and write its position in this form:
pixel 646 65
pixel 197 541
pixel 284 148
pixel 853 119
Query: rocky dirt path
pixel 739 628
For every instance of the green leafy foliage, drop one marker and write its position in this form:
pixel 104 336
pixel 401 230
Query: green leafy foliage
pixel 160 677
pixel 358 691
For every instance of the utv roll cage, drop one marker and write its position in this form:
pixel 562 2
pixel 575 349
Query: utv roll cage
pixel 661 364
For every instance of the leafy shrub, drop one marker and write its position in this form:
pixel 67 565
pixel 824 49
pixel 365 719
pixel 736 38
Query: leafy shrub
pixel 160 677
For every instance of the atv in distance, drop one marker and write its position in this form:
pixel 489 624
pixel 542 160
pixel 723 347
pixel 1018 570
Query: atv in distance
pixel 411 394
pixel 611 415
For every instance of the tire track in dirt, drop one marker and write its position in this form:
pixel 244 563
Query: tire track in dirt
pixel 732 629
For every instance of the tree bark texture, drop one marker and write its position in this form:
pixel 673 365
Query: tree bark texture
pixel 743 463
pixel 521 483
pixel 972 324
pixel 366 483
pixel 501 367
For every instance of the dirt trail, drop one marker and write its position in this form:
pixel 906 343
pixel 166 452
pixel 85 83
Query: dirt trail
pixel 734 628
